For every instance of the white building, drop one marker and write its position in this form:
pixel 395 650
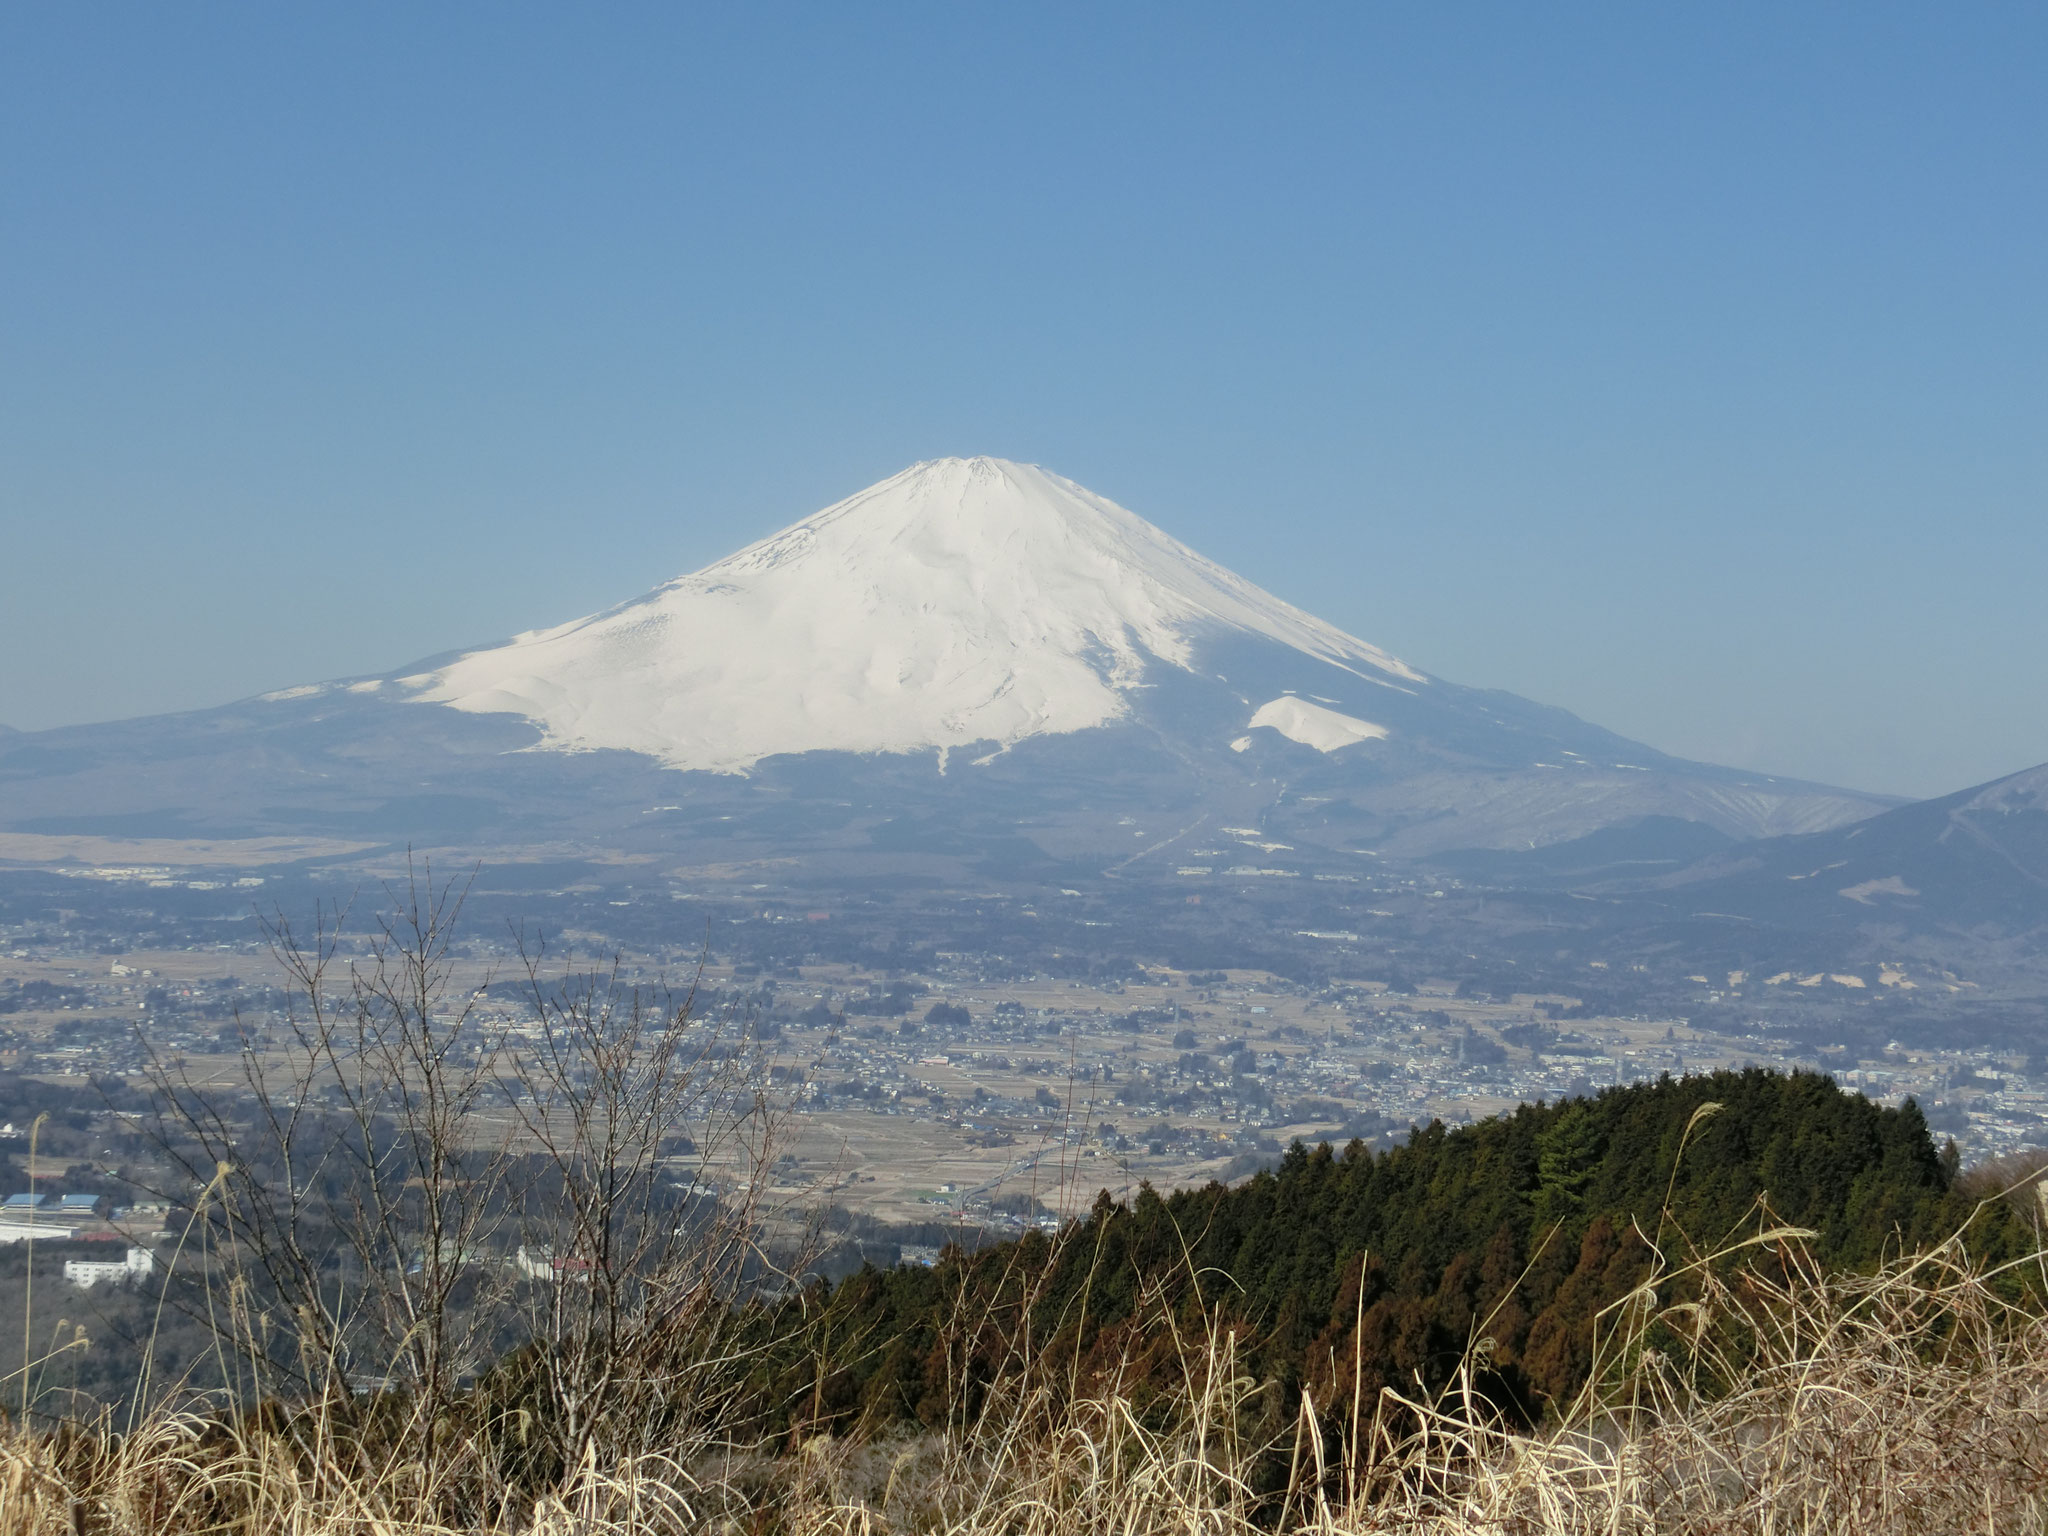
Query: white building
pixel 87 1273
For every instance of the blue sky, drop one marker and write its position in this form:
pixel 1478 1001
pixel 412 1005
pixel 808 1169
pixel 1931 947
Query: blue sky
pixel 1687 367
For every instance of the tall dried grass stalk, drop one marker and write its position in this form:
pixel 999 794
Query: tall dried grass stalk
pixel 1776 1400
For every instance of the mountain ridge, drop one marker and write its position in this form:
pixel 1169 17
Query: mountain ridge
pixel 1975 858
pixel 972 642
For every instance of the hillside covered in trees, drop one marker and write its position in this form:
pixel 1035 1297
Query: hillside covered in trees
pixel 1346 1268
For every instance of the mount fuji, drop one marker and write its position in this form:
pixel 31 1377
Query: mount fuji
pixel 975 662
pixel 961 603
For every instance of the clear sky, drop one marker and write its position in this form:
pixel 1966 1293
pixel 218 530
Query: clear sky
pixel 1683 366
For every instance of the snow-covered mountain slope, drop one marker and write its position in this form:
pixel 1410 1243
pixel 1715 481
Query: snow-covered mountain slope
pixel 962 601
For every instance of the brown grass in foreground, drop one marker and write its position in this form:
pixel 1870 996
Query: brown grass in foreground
pixel 1779 1400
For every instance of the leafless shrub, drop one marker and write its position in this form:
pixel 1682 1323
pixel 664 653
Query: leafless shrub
pixel 343 1183
pixel 624 1106
pixel 471 1250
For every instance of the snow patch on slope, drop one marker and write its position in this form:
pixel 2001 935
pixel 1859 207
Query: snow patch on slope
pixel 1314 726
pixel 962 600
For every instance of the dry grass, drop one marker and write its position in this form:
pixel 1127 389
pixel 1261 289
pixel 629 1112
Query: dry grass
pixel 1776 1400
pixel 1912 1401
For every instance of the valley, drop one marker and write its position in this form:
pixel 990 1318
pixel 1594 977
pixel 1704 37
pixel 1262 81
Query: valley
pixel 987 1059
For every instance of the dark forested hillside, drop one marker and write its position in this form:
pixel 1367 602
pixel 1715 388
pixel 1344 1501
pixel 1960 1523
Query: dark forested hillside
pixel 1519 1229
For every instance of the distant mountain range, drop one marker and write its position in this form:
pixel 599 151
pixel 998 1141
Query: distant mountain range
pixel 1974 860
pixel 974 662
pixel 1963 877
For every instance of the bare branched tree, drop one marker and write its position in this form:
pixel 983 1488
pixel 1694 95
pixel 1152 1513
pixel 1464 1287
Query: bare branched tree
pixel 413 1201
pixel 658 1143
pixel 351 1174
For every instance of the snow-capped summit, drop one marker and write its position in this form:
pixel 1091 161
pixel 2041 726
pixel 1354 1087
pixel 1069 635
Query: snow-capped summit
pixel 961 601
